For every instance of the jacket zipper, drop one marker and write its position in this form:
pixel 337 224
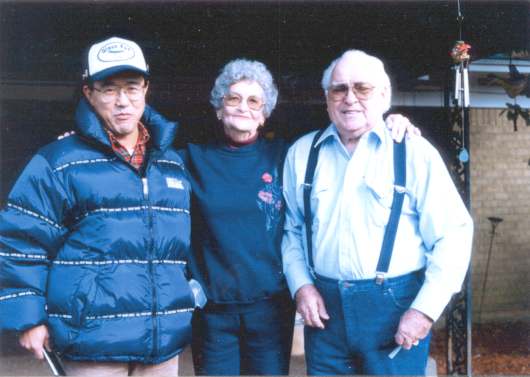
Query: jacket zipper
pixel 154 300
pixel 145 190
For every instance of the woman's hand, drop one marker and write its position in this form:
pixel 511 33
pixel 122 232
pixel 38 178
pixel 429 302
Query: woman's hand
pixel 400 125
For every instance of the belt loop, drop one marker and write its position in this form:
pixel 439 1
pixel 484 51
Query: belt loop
pixel 379 278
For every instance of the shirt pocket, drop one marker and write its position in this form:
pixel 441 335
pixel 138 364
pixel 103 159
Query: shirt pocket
pixel 321 200
pixel 378 201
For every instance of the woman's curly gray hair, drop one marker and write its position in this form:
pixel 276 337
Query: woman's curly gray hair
pixel 243 69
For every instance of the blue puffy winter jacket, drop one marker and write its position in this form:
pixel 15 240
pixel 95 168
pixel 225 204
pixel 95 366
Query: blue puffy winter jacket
pixel 96 250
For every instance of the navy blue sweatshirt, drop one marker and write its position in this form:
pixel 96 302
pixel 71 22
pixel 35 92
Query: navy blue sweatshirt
pixel 237 220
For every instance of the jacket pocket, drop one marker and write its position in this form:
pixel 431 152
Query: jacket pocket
pixel 173 290
pixel 85 296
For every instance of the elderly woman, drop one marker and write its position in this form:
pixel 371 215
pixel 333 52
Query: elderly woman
pixel 246 327
pixel 237 217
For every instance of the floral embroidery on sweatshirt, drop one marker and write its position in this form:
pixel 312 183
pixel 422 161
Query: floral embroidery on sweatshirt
pixel 270 200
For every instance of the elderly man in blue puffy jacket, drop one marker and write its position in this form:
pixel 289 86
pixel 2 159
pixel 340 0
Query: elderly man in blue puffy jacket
pixel 95 233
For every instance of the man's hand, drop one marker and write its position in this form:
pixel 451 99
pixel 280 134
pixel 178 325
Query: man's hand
pixel 35 339
pixel 310 304
pixel 399 125
pixel 413 326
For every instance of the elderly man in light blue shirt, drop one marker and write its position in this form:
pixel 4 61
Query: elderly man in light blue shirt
pixel 353 321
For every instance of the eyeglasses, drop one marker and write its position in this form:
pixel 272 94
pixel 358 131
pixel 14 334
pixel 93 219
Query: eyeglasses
pixel 362 91
pixel 111 93
pixel 253 102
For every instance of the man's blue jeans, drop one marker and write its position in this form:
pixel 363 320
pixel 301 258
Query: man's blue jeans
pixel 360 333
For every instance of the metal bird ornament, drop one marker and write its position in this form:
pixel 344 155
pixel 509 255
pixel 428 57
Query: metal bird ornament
pixel 514 85
pixel 513 112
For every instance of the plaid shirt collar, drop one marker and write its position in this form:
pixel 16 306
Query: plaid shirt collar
pixel 136 159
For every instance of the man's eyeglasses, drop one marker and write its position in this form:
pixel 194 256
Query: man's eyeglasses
pixel 111 93
pixel 362 91
pixel 253 102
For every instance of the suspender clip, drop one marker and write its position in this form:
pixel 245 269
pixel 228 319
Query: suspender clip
pixel 379 278
pixel 400 189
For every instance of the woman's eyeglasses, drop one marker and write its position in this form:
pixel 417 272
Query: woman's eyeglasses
pixel 253 102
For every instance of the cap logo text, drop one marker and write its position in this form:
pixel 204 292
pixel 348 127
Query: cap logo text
pixel 115 51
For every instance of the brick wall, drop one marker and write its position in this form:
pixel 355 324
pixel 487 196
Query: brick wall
pixel 500 187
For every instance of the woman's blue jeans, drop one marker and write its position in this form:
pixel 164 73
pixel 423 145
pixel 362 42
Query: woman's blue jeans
pixel 253 339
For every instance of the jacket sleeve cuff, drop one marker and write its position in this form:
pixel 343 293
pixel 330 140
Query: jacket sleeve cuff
pixel 22 312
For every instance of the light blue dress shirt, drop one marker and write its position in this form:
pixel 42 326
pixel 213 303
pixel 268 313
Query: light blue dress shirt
pixel 350 202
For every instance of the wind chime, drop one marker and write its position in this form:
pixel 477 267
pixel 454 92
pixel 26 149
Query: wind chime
pixel 460 55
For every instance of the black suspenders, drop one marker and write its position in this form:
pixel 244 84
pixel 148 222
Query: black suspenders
pixel 395 212
pixel 308 186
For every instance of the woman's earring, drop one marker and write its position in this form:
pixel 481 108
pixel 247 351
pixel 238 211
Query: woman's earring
pixel 219 115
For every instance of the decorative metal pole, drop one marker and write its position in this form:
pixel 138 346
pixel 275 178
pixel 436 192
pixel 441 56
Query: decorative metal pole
pixel 458 317
pixel 494 221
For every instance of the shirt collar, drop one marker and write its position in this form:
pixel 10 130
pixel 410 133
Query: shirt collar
pixel 377 133
pixel 143 136
pixel 330 133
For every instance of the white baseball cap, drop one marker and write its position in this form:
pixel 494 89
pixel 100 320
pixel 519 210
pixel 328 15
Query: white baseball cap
pixel 112 56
